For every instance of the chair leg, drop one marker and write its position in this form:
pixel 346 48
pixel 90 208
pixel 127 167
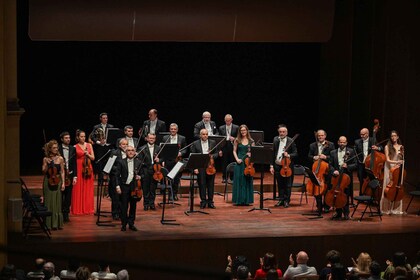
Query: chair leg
pixel 406 209
pixel 355 208
pixel 364 211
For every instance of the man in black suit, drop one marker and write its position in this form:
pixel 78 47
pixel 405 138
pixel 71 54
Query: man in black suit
pixel 205 181
pixel 69 154
pixel 175 138
pixel 284 183
pixel 206 123
pixel 343 160
pixel 148 157
pixel 125 176
pixel 153 125
pixel 132 141
pixel 230 131
pixel 363 147
pixel 100 130
pixel 320 150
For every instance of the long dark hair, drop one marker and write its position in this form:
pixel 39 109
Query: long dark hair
pixel 391 150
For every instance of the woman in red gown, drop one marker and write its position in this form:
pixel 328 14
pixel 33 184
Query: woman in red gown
pixel 83 191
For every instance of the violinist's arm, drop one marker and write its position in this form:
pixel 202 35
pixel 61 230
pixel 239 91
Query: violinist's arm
pixel 235 153
pixel 44 165
pixel 62 173
pixel 92 154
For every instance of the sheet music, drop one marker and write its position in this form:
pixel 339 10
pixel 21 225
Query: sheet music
pixel 171 175
pixel 109 164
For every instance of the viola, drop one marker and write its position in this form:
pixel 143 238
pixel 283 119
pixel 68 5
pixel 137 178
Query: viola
pixel 336 197
pixel 374 162
pixel 137 192
pixel 319 168
pixel 249 168
pixel 157 175
pixel 394 191
pixel 53 175
pixel 285 170
pixel 87 167
pixel 211 170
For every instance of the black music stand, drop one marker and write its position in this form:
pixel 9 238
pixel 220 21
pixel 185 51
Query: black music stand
pixel 316 184
pixel 170 176
pixel 113 134
pixel 160 135
pixel 102 184
pixel 220 143
pixel 168 152
pixel 257 136
pixel 262 156
pixel 195 161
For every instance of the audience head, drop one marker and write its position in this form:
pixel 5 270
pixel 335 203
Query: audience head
pixel 338 272
pixel 302 257
pixel 122 275
pixel 363 262
pixel 333 256
pixel 242 272
pixel 400 273
pixel 272 274
pixel 83 273
pixel 39 264
pixel 238 261
pixel 375 268
pixel 418 257
pixel 269 261
pixel 8 272
pixel 103 266
pixel 49 270
pixel 399 259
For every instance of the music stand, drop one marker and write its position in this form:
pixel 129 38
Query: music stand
pixel 160 136
pixel 170 176
pixel 316 184
pixel 168 152
pixel 195 161
pixel 102 184
pixel 113 134
pixel 257 136
pixel 263 156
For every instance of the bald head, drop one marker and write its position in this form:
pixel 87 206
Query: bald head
pixel 302 257
pixel 364 133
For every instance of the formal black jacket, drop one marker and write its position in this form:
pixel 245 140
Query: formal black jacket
pixel 160 127
pixel 292 151
pixel 200 125
pixel 313 150
pixel 72 160
pixel 181 141
pixel 358 146
pixel 121 171
pixel 94 137
pixel 233 133
pixel 146 160
pixel 351 164
pixel 196 148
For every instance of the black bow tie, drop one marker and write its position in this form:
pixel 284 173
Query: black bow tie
pixel 65 148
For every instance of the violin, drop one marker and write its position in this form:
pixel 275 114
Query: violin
pixel 87 167
pixel 285 170
pixel 137 192
pixel 394 191
pixel 157 175
pixel 53 175
pixel 249 168
pixel 67 180
pixel 336 197
pixel 211 170
pixel 374 162
pixel 319 168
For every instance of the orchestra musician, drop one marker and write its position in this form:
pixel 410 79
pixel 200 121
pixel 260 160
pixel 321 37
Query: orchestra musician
pixel 206 123
pixel 205 181
pixel 363 147
pixel 148 158
pixel 120 154
pixel 337 164
pixel 321 149
pixel 125 177
pixel 104 125
pixel 284 183
pixel 69 154
pixel 230 131
pixel 170 163
pixel 132 141
pixel 153 125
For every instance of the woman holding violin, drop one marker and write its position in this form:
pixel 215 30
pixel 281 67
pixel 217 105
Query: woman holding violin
pixel 83 190
pixel 243 188
pixel 281 155
pixel 53 168
pixel 394 159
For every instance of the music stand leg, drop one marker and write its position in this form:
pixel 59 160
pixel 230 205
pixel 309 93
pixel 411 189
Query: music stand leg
pixel 261 196
pixel 162 220
pixel 98 207
pixel 191 210
pixel 317 215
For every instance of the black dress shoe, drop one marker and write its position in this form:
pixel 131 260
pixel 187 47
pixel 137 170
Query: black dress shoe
pixel 211 205
pixel 176 197
pixel 152 207
pixel 202 205
pixel 146 208
pixel 346 217
pixel 133 228
pixel 123 228
pixel 116 218
pixel 280 203
pixel 336 217
pixel 286 204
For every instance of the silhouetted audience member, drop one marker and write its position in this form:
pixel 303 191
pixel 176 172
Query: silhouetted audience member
pixel 333 257
pixel 8 272
pixel 400 273
pixel 362 264
pixel 104 272
pixel 72 266
pixel 242 272
pixel 338 272
pixel 49 271
pixel 416 268
pixel 83 273
pixel 232 266
pixel 302 267
pixel 123 275
pixel 38 272
pixel 272 274
pixel 268 262
pixel 399 259
pixel 375 271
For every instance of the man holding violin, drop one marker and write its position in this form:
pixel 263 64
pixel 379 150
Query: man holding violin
pixel 148 157
pixel 205 176
pixel 284 183
pixel 175 138
pixel 69 154
pixel 125 178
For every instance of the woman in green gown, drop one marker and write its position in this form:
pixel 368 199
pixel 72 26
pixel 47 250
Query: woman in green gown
pixel 243 187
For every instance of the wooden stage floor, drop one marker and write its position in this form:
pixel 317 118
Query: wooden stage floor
pixel 230 229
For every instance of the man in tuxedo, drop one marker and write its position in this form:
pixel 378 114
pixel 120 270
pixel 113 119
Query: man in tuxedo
pixel 148 157
pixel 178 139
pixel 132 141
pixel 284 183
pixel 69 154
pixel 125 176
pixel 320 150
pixel 205 181
pixel 363 147
pixel 153 125
pixel 206 123
pixel 230 131
pixel 119 154
pixel 343 160
pixel 97 136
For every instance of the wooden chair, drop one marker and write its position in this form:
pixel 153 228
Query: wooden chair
pixel 306 277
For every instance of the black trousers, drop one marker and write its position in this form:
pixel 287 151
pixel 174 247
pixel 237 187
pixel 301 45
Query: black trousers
pixel 284 184
pixel 115 200
pixel 128 206
pixel 206 185
pixel 66 199
pixel 149 188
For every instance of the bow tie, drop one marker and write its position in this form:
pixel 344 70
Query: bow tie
pixel 65 148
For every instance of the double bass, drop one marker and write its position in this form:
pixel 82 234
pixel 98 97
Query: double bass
pixel 336 198
pixel 375 163
pixel 285 162
pixel 319 168
pixel 394 190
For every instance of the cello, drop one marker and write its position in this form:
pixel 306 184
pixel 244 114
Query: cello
pixel 336 198
pixel 375 163
pixel 394 191
pixel 285 162
pixel 319 168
